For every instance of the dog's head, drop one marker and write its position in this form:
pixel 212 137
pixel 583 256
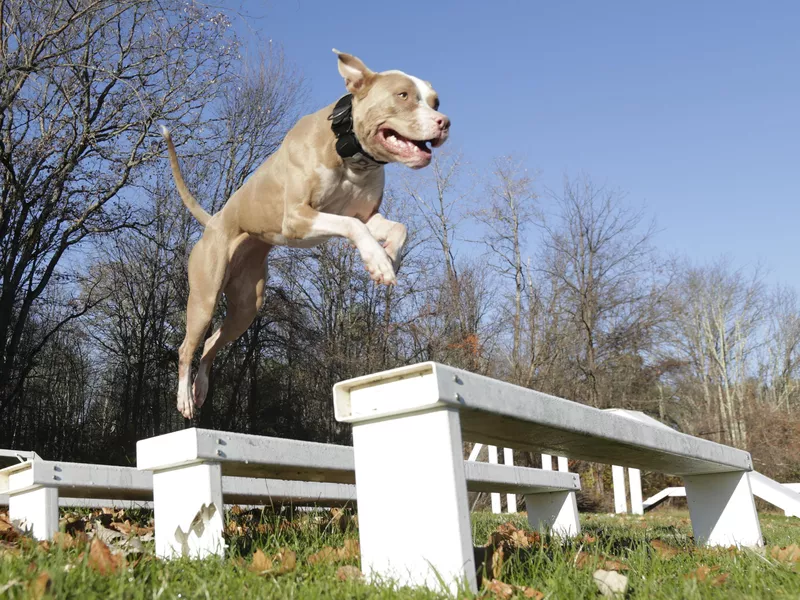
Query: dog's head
pixel 395 116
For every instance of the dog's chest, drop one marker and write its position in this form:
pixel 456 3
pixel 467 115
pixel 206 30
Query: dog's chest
pixel 348 192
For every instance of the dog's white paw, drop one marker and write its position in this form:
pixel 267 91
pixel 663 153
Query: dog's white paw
pixel 380 267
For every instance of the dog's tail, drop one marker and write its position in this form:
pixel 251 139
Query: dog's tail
pixel 198 212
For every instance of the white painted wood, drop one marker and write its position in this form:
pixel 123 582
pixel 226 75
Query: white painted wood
pixel 494 412
pixel 35 510
pixel 635 481
pixel 620 496
pixel 670 492
pixel 777 494
pixel 722 510
pixel 547 462
pixel 189 511
pixel 496 508
pixel 563 464
pixel 554 511
pixel 485 477
pixel 511 499
pixel 390 483
pixel 476 450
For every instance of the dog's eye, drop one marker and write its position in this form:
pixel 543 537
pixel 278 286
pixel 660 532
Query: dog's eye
pixel 403 95
pixel 436 104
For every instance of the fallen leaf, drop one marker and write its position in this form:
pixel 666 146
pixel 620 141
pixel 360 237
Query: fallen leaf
pixel 529 592
pixel 351 549
pixel 347 573
pixel 786 554
pixel 664 550
pixel 702 574
pixel 102 560
pixel 124 528
pixel 498 589
pixel 283 562
pixel 610 583
pixel 326 555
pixel 260 563
pixel 44 545
pixel 64 541
pixel 588 539
pixel 498 557
pixel 39 586
pixel 106 535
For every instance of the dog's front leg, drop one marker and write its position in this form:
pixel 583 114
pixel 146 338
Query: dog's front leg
pixel 304 222
pixel 392 234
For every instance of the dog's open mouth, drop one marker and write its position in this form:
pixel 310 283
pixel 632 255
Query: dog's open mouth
pixel 406 148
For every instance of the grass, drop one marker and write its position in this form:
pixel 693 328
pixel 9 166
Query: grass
pixel 557 569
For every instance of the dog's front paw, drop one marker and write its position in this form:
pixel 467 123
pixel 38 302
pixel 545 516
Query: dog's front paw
pixel 185 404
pixel 379 266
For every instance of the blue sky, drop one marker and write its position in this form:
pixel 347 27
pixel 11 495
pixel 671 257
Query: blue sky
pixel 693 108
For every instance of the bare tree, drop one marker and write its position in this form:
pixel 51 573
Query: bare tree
pixel 81 85
pixel 509 213
pixel 599 252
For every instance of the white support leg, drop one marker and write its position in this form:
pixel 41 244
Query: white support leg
pixel 618 480
pixel 188 508
pixel 496 508
pixel 511 499
pixel 35 510
pixel 563 464
pixel 388 482
pixel 554 511
pixel 547 462
pixel 635 480
pixel 723 510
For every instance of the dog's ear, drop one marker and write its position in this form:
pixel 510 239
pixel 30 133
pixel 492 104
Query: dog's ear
pixel 356 74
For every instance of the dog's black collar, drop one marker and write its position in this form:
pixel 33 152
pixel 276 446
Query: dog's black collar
pixel 347 144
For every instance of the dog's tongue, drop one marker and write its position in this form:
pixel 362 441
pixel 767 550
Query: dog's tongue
pixel 403 146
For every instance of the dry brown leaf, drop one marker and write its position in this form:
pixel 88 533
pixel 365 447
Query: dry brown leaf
pixel 38 587
pixel 498 557
pixel 326 555
pixel 261 562
pixel 124 527
pixel 664 550
pixel 786 554
pixel 283 562
pixel 44 545
pixel 529 592
pixel 102 560
pixel 582 559
pixel 614 565
pixel 64 541
pixel 347 573
pixel 499 589
pixel 703 572
pixel 588 539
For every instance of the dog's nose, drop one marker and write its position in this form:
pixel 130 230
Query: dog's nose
pixel 443 122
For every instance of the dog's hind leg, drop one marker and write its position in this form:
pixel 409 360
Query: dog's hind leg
pixel 245 294
pixel 208 266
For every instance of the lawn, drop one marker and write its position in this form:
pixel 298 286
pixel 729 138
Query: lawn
pixel 314 555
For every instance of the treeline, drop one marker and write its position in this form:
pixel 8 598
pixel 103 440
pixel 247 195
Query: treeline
pixel 558 290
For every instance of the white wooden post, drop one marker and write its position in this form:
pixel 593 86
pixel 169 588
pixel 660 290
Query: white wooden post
pixel 563 464
pixel 618 480
pixel 496 509
pixel 635 480
pixel 34 507
pixel 554 511
pixel 723 510
pixel 434 469
pixel 189 511
pixel 511 499
pixel 547 462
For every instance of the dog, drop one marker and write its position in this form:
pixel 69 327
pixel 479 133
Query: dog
pixel 326 180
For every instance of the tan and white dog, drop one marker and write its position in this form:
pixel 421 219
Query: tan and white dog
pixel 307 192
